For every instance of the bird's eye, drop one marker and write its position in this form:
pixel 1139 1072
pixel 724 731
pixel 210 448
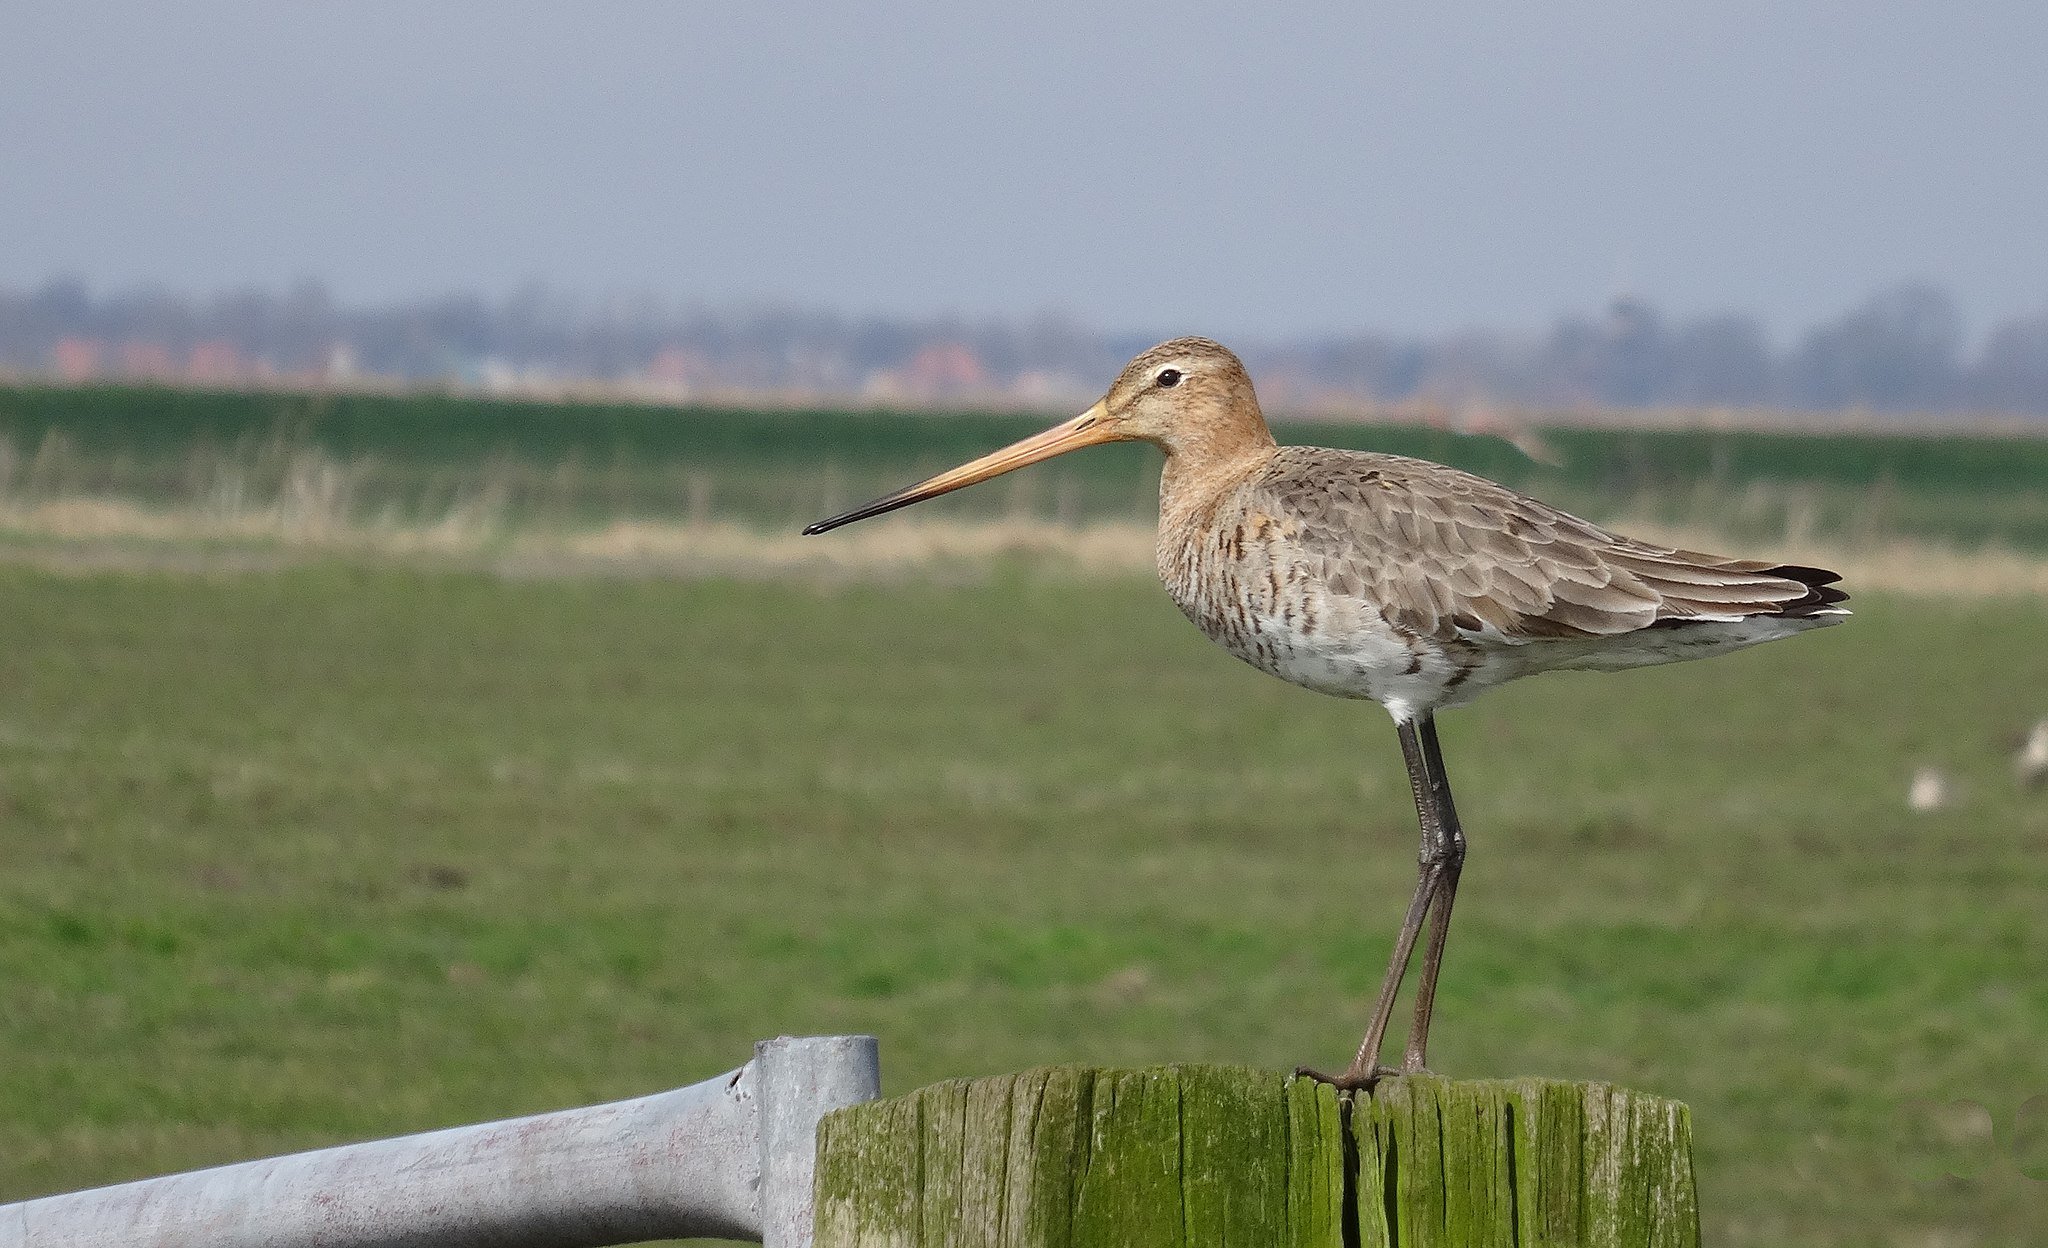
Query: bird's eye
pixel 1168 378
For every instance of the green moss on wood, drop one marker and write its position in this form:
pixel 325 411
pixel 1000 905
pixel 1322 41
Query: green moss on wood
pixel 1181 1156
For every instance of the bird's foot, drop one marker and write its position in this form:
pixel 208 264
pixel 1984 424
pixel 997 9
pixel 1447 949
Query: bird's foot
pixel 1355 1079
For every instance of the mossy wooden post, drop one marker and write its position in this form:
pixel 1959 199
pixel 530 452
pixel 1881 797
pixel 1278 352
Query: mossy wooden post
pixel 1074 1157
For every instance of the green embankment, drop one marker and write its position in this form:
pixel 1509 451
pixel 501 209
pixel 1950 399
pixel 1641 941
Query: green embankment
pixel 416 457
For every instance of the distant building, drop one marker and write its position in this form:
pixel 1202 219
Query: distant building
pixel 146 360
pixel 216 363
pixel 341 365
pixel 675 373
pixel 939 370
pixel 77 359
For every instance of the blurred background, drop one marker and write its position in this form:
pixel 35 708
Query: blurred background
pixel 416 706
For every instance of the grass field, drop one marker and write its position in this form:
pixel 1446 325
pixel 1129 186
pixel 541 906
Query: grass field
pixel 299 856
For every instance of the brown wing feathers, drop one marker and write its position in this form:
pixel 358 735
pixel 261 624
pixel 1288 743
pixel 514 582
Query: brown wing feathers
pixel 1439 551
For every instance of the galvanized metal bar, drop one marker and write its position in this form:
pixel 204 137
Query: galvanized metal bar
pixel 696 1161
pixel 800 1081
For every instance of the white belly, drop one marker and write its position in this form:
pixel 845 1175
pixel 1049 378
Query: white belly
pixel 1335 645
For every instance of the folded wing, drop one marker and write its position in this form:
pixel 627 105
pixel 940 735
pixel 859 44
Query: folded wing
pixel 1441 552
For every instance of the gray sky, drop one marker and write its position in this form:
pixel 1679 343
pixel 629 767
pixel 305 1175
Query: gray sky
pixel 1185 167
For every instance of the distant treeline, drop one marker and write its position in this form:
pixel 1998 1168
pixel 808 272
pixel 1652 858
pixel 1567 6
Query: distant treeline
pixel 1901 350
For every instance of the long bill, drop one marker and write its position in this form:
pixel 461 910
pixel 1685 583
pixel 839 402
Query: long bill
pixel 1087 429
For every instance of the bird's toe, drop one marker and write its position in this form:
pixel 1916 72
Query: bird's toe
pixel 1356 1079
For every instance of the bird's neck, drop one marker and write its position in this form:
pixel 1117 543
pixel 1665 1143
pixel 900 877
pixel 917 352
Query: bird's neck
pixel 1202 463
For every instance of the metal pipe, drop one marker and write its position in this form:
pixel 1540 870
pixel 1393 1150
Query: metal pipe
pixel 698 1161
pixel 797 1078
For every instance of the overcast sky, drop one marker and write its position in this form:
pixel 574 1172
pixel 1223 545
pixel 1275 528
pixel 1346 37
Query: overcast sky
pixel 1228 168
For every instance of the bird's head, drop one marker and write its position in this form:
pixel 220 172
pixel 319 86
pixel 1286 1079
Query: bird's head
pixel 1181 394
pixel 1189 395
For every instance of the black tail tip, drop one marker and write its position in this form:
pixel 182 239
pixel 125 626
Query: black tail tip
pixel 1820 585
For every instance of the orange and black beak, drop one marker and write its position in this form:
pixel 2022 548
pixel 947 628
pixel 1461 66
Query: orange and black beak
pixel 1088 429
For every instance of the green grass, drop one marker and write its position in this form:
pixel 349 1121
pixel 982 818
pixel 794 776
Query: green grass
pixel 340 852
pixel 419 457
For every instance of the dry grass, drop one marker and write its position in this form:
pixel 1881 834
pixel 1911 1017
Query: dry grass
pixel 101 532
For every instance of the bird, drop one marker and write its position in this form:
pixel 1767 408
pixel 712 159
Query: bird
pixel 1395 580
pixel 1929 791
pixel 2030 763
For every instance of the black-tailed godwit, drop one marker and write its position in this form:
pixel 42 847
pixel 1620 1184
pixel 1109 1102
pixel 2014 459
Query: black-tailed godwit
pixel 1396 580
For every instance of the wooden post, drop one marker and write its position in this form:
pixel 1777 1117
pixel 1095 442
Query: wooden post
pixel 1074 1157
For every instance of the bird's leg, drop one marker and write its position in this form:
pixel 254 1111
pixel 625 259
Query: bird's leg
pixel 1450 856
pixel 1365 1069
